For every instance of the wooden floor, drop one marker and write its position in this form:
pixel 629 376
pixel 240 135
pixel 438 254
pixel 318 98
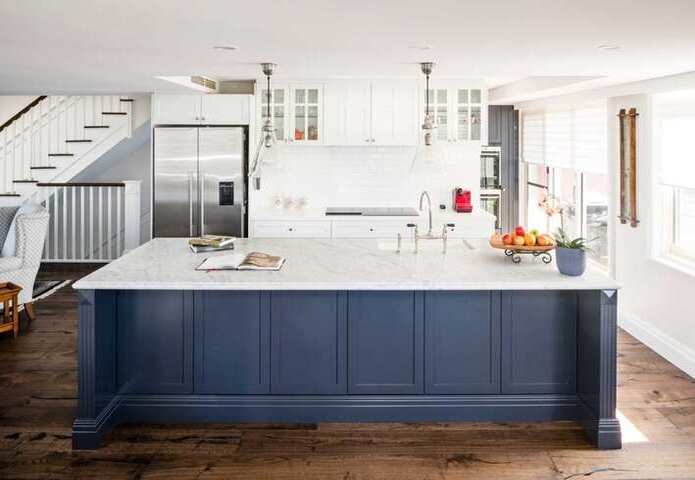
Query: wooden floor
pixel 38 398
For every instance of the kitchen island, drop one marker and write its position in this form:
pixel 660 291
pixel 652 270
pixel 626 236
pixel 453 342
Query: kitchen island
pixel 347 331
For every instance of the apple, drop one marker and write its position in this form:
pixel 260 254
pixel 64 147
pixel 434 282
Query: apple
pixel 529 239
pixel 535 232
pixel 507 239
pixel 496 238
pixel 544 240
pixel 519 231
pixel 519 240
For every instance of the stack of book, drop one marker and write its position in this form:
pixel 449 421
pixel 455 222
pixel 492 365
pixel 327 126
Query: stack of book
pixel 241 261
pixel 211 243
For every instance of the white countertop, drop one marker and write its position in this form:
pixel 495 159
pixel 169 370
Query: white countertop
pixel 332 264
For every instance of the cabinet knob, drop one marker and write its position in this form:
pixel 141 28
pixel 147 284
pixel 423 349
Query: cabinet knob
pixel 291 229
pixel 367 140
pixel 371 229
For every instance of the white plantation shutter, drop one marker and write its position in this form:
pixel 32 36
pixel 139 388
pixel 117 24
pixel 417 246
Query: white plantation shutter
pixel 558 139
pixel 570 138
pixel 532 142
pixel 677 156
pixel 590 140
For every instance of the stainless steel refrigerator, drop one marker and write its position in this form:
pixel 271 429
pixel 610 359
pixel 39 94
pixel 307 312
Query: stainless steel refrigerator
pixel 200 184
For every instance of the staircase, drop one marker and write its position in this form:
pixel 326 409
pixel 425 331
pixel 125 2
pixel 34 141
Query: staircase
pixel 56 137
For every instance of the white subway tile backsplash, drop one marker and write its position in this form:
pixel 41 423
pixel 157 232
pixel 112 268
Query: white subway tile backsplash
pixel 364 176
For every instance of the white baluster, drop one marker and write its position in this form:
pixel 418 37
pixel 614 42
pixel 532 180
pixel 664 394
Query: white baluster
pixel 55 222
pixel 109 206
pixel 14 155
pixel 73 191
pixel 46 252
pixel 118 221
pixel 101 224
pixel 91 222
pixel 64 251
pixel 5 161
pixel 82 209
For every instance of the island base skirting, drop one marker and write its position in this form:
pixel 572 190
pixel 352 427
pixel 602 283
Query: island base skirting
pixel 88 433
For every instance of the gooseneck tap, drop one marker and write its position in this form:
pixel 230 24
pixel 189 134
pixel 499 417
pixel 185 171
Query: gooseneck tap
pixel 423 195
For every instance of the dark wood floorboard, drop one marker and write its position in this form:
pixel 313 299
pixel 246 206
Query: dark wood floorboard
pixel 38 399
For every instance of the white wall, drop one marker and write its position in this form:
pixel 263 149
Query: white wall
pixel 364 176
pixel 11 104
pixel 656 301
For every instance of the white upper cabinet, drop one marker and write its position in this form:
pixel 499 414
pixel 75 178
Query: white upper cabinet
pixel 212 109
pixel 371 113
pixel 459 112
pixel 347 113
pixel 225 109
pixel 176 109
pixel 297 111
pixel 306 115
pixel 394 113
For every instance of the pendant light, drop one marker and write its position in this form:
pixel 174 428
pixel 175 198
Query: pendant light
pixel 428 154
pixel 266 150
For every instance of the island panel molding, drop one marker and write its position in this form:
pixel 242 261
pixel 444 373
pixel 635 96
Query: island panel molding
pixel 292 358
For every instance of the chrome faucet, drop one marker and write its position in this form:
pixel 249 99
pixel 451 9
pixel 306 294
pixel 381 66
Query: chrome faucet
pixel 423 195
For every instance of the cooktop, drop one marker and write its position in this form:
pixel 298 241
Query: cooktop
pixel 373 211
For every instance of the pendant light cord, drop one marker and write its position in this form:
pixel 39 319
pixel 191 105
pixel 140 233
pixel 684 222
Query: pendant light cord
pixel 268 88
pixel 427 94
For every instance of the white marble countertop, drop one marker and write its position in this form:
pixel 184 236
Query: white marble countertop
pixel 333 264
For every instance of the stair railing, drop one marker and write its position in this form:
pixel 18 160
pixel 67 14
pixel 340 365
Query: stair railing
pixel 45 132
pixel 91 222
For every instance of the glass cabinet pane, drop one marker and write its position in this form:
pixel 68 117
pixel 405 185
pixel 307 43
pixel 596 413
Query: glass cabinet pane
pixel 463 96
pixel 306 114
pixel 475 123
pixel 475 96
pixel 299 122
pixel 277 107
pixel 462 126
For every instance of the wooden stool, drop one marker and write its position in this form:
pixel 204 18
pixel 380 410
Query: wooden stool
pixel 10 314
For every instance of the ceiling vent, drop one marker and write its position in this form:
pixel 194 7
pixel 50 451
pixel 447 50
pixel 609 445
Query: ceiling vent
pixel 205 82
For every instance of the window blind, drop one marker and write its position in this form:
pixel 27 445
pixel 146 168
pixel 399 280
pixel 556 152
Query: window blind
pixel 532 142
pixel 570 138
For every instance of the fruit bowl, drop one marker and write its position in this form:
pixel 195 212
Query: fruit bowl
pixel 515 251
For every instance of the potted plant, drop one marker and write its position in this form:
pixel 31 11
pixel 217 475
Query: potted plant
pixel 570 254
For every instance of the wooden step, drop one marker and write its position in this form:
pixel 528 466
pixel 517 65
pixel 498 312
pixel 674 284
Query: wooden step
pixel 84 140
pixel 10 195
pixel 114 113
pixel 43 167
pixel 96 126
pixel 25 181
pixel 126 100
pixel 61 154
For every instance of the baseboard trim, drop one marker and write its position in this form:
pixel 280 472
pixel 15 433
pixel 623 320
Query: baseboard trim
pixel 668 347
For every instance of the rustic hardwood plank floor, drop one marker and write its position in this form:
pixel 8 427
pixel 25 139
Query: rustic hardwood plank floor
pixel 38 398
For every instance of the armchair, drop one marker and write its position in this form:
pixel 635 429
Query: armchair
pixel 22 268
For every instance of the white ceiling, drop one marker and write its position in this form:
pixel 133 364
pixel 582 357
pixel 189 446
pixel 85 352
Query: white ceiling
pixel 49 46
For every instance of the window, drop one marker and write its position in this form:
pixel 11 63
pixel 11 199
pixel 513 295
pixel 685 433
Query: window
pixel 674 221
pixel 566 174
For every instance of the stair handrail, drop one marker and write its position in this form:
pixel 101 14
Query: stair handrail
pixel 17 115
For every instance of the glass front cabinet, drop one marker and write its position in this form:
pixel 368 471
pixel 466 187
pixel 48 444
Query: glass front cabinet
pixel 458 112
pixel 297 112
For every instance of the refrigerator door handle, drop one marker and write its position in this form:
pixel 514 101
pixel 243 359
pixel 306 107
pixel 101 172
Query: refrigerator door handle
pixel 202 204
pixel 190 204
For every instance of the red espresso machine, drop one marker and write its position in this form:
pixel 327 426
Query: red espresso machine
pixel 462 200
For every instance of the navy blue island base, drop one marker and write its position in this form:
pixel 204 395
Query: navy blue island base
pixel 346 356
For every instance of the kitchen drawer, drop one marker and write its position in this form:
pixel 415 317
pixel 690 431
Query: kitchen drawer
pixel 376 229
pixel 269 229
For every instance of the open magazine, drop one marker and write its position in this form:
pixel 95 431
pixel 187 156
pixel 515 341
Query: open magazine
pixel 240 261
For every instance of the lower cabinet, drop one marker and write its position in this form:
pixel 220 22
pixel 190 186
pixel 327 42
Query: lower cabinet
pixel 232 343
pixel 155 331
pixel 308 347
pixel 385 342
pixel 539 332
pixel 462 342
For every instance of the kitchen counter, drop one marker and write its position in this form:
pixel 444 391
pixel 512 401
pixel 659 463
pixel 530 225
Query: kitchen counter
pixel 347 331
pixel 333 264
pixel 313 214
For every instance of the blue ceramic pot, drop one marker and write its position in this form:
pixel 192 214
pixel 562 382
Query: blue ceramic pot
pixel 570 261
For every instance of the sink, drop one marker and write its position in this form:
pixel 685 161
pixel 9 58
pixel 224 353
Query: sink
pixel 427 245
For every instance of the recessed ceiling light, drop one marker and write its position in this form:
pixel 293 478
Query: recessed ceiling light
pixel 420 47
pixel 608 47
pixel 225 47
